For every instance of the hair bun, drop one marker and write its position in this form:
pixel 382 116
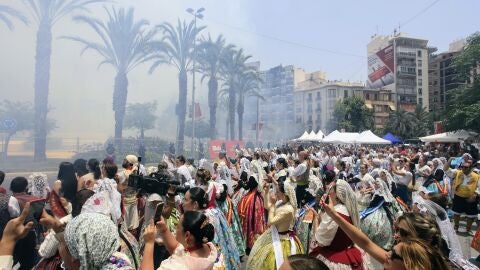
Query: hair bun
pixel 208 232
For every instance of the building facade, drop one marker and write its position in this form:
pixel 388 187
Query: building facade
pixel 400 63
pixel 442 76
pixel 276 111
pixel 315 100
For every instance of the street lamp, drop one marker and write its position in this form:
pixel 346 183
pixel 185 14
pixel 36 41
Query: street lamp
pixel 196 14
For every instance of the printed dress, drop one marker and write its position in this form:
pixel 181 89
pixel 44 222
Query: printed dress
pixel 280 219
pixel 252 216
pixel 231 215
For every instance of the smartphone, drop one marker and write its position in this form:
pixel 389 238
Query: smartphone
pixel 158 213
pixel 36 210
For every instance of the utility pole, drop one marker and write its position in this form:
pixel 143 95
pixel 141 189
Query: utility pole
pixel 196 14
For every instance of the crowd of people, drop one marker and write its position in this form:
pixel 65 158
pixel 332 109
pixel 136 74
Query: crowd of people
pixel 315 207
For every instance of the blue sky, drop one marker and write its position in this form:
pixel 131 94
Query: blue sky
pixel 346 27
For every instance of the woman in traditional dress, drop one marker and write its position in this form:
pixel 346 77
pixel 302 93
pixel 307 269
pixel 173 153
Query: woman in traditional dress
pixel 252 213
pixel 377 220
pixel 279 241
pixel 197 199
pixel 335 248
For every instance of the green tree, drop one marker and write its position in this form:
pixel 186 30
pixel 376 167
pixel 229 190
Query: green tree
pixel 141 116
pixel 46 14
pixel 202 129
pixel 209 55
pixel 176 48
pixel 463 103
pixel 17 117
pixel 124 44
pixel 234 65
pixel 422 121
pixel 248 85
pixel 352 115
pixel 7 14
pixel 401 123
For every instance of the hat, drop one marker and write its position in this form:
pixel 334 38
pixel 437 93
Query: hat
pixel 132 159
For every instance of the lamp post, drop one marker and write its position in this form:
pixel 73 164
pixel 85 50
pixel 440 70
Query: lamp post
pixel 196 14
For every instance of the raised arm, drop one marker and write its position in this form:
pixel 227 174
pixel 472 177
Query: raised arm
pixel 357 236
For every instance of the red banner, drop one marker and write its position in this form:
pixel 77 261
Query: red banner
pixel 215 146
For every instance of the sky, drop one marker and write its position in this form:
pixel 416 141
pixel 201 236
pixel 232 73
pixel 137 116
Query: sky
pixel 311 34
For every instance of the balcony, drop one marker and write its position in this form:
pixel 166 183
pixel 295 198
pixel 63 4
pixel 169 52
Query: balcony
pixel 406 73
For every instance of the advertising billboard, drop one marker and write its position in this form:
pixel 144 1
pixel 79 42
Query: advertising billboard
pixel 229 146
pixel 381 68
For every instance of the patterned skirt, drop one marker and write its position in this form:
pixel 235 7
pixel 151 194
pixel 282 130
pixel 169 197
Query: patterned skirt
pixel 233 221
pixel 229 257
pixel 262 256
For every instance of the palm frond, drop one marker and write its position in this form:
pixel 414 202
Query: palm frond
pixel 7 14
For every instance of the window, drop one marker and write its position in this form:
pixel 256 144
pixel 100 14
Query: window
pixel 420 81
pixel 345 93
pixel 309 119
pixel 420 91
pixel 299 119
pixel 309 97
pixel 419 62
pixel 367 96
pixel 332 93
pixel 420 101
pixel 318 95
pixel 375 97
pixel 419 72
pixel 419 53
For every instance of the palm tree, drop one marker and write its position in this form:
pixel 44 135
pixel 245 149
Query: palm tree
pixel 209 55
pixel 234 64
pixel 176 49
pixel 7 14
pixel 46 14
pixel 124 44
pixel 401 123
pixel 422 121
pixel 248 86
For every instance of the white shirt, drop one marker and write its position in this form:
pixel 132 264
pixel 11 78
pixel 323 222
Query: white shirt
pixel 6 262
pixel 13 207
pixel 404 179
pixel 327 229
pixel 300 169
pixel 183 171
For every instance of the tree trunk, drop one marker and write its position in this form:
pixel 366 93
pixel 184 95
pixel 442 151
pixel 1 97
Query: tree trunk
pixel 181 109
pixel 119 104
pixel 5 145
pixel 212 104
pixel 240 110
pixel 142 134
pixel 42 81
pixel 231 111
pixel 227 122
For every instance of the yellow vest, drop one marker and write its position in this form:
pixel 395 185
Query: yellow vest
pixel 465 191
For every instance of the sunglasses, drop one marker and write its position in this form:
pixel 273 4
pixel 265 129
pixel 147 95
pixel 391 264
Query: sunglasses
pixel 395 256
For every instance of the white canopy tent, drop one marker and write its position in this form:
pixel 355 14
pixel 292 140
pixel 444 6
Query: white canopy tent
pixel 312 136
pixel 319 136
pixel 449 137
pixel 303 137
pixel 337 137
pixel 367 137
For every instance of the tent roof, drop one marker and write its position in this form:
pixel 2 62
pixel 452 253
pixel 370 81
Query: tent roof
pixel 340 137
pixel 389 136
pixel 303 137
pixel 367 137
pixel 319 136
pixel 449 137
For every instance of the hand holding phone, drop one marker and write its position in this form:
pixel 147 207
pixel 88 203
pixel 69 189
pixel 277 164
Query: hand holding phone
pixel 158 213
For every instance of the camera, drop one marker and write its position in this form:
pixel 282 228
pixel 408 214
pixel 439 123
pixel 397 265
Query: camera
pixel 156 183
